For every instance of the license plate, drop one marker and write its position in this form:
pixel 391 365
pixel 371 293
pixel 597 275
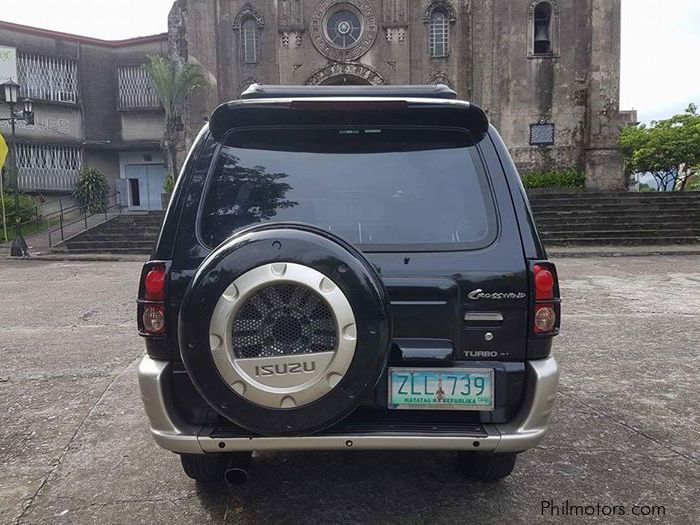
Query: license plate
pixel 441 389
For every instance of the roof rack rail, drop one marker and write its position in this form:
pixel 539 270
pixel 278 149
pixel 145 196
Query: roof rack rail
pixel 438 91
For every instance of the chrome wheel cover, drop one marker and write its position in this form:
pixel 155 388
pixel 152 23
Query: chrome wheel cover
pixel 289 380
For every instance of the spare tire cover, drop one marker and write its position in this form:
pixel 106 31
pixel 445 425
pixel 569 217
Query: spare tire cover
pixel 285 329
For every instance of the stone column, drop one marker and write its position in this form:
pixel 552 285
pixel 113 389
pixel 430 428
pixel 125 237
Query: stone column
pixel 604 164
pixel 191 28
pixel 395 30
pixel 292 28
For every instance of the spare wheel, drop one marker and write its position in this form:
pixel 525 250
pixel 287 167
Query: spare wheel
pixel 285 329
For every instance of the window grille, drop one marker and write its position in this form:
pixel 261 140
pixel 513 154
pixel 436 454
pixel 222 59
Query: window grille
pixel 136 89
pixel 439 31
pixel 48 78
pixel 48 167
pixel 249 41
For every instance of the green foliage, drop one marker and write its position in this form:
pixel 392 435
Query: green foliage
pixel 174 82
pixel 668 149
pixel 91 191
pixel 28 210
pixel 169 184
pixel 694 184
pixel 563 178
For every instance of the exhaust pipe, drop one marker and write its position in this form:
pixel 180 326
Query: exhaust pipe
pixel 238 470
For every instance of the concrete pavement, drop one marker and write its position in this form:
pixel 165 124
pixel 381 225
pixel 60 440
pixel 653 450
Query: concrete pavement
pixel 74 446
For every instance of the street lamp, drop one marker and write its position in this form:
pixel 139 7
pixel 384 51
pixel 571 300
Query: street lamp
pixel 10 90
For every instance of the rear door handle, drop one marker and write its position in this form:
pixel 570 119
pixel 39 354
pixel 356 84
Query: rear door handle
pixel 483 317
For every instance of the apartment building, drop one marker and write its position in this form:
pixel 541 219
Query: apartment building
pixel 94 106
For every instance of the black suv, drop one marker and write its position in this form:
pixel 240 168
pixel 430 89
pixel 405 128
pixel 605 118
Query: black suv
pixel 346 268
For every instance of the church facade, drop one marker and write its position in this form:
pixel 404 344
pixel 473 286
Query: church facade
pixel 546 71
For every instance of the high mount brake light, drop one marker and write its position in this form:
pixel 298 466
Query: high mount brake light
pixel 344 105
pixel 152 318
pixel 544 313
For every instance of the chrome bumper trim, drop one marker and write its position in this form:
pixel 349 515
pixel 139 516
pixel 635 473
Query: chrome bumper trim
pixel 350 442
pixel 529 426
pixel 166 429
pixel 525 431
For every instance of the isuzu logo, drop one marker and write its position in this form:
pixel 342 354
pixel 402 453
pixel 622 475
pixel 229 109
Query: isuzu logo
pixel 307 367
pixel 479 294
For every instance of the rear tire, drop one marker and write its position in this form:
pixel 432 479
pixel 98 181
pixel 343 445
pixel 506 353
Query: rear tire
pixel 486 468
pixel 205 468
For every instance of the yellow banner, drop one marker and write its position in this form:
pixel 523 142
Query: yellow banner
pixel 3 151
pixel 3 157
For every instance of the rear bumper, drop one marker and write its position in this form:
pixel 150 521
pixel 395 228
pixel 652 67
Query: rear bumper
pixel 525 431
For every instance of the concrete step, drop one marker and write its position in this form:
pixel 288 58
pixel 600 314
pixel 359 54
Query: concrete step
pixel 132 224
pixel 622 241
pixel 144 219
pixel 688 200
pixel 563 219
pixel 594 225
pixel 129 219
pixel 124 234
pixel 99 246
pixel 688 214
pixel 602 197
pixel 123 226
pixel 114 251
pixel 629 234
pixel 102 234
pixel 605 209
pixel 115 240
pixel 571 219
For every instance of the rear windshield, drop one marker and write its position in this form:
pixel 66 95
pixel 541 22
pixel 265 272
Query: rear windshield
pixel 382 189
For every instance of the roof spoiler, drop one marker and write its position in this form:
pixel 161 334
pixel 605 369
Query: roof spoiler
pixel 305 106
pixel 438 91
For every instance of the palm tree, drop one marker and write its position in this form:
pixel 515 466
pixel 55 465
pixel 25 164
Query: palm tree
pixel 174 83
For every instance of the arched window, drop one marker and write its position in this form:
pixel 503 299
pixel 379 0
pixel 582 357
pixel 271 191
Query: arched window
pixel 250 41
pixel 439 34
pixel 544 29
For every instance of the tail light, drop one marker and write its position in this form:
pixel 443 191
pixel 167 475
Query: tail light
pixel 154 319
pixel 152 295
pixel 546 305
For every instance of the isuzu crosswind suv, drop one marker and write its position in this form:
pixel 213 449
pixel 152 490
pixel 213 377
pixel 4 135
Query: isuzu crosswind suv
pixel 348 268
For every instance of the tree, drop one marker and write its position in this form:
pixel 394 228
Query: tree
pixel 174 83
pixel 668 149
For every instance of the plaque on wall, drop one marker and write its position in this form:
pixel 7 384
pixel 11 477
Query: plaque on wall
pixel 541 134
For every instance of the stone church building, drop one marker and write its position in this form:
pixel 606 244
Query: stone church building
pixel 546 71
